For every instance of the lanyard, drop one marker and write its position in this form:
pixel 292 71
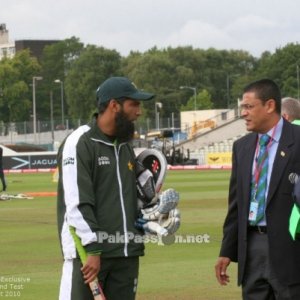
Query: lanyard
pixel 258 167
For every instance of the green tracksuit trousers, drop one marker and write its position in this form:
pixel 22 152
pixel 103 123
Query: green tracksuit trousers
pixel 118 278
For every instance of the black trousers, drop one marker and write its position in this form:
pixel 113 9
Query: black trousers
pixel 2 178
pixel 119 277
pixel 260 282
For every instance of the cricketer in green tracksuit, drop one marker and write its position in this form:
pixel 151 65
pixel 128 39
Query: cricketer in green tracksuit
pixel 97 196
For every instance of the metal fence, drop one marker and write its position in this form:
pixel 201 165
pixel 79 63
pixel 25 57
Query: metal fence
pixel 51 132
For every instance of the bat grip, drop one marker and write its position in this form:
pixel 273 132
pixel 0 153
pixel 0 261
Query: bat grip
pixel 96 290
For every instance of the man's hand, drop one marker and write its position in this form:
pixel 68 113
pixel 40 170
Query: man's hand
pixel 220 268
pixel 91 268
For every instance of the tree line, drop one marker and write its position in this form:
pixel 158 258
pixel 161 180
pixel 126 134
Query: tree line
pixel 183 78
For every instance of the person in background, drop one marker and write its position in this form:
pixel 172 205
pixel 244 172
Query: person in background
pixel 256 228
pixel 290 110
pixel 2 176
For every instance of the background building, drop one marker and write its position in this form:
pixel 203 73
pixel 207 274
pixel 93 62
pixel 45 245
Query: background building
pixel 35 47
pixel 7 48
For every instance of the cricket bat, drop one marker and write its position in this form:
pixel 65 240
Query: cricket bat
pixel 94 285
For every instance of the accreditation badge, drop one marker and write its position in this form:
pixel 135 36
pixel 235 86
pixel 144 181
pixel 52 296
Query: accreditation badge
pixel 253 211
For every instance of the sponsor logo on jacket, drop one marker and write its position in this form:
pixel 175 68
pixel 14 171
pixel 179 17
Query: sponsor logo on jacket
pixel 68 161
pixel 103 160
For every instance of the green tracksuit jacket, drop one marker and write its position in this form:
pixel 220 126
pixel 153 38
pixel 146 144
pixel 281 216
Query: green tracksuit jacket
pixel 97 195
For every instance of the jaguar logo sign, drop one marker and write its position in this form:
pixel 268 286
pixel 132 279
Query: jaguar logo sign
pixel 30 162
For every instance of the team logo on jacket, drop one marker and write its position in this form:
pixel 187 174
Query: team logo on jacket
pixel 103 161
pixel 130 166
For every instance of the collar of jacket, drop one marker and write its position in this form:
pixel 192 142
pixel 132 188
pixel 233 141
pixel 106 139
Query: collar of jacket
pixel 98 135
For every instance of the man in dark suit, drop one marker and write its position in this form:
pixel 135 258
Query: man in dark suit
pixel 268 259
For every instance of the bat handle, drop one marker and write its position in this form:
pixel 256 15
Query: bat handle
pixel 97 290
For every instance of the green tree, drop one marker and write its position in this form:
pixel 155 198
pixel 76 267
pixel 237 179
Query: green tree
pixel 15 80
pixel 153 72
pixel 164 71
pixel 203 101
pixel 94 65
pixel 282 67
pixel 56 62
pixel 58 58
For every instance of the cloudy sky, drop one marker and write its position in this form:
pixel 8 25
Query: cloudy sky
pixel 125 25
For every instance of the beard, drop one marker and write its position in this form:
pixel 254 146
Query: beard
pixel 124 128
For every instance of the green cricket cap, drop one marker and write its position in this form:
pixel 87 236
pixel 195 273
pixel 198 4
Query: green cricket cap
pixel 120 87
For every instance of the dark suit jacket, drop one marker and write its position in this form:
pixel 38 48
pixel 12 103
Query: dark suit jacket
pixel 284 252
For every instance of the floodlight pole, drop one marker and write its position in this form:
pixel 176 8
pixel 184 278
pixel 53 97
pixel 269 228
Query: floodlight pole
pixel 61 99
pixel 298 84
pixel 34 78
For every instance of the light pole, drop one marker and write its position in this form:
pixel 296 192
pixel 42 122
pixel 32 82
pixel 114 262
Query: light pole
pixel 61 99
pixel 157 105
pixel 298 85
pixel 34 78
pixel 228 87
pixel 51 117
pixel 195 94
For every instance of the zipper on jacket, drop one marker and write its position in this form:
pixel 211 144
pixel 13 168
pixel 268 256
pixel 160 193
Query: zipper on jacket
pixel 122 200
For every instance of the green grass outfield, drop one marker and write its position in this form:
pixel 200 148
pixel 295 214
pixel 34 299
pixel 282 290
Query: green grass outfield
pixel 30 253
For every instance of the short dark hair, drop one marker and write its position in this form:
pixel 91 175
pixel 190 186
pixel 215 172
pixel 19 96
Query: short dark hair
pixel 265 89
pixel 102 106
